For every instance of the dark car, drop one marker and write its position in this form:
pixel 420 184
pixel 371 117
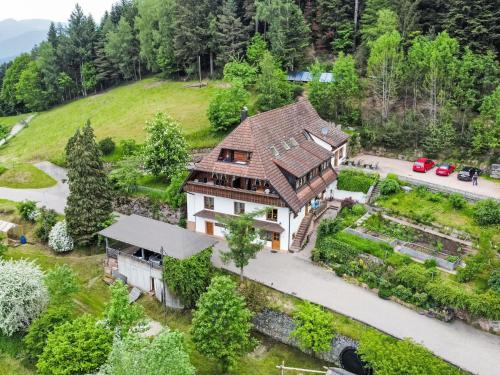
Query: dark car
pixel 466 173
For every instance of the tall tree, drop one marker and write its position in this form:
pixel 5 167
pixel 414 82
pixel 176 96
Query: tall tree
pixel 384 68
pixel 334 19
pixel 370 16
pixel 474 23
pixel 231 34
pixel 221 323
pixel 48 66
pixel 89 201
pixel 121 49
pixel 243 240
pixel 11 101
pixel 288 33
pixel 120 314
pixel 486 128
pixel 408 16
pixel 29 88
pixel 273 89
pixel 155 24
pixel 165 151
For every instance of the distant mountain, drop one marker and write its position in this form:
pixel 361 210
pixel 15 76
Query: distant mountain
pixel 17 37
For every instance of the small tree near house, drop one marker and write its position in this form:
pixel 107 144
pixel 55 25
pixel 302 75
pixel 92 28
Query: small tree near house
pixel 221 323
pixel 243 240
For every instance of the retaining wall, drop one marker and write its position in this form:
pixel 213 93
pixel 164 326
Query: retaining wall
pixel 280 326
pixel 443 263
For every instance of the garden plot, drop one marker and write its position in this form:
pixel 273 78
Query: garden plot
pixel 418 242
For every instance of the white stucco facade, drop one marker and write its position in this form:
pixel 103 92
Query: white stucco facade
pixel 339 154
pixel 146 278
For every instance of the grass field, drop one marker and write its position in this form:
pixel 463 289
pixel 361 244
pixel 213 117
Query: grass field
pixel 120 113
pixel 10 121
pixel 25 176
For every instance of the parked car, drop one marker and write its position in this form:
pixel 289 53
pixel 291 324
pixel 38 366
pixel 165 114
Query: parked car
pixel 466 173
pixel 423 165
pixel 445 169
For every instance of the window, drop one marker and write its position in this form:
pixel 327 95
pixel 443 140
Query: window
pixel 239 208
pixel 209 203
pixel 272 214
pixel 301 181
pixel 324 165
pixel 313 173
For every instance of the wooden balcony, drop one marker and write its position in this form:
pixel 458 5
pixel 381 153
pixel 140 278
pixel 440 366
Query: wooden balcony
pixel 261 197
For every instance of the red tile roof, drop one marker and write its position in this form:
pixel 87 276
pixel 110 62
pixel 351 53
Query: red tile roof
pixel 268 137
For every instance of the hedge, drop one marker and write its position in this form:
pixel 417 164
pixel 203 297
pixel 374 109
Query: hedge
pixel 352 180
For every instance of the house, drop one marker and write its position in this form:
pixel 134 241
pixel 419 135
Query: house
pixel 282 160
pixel 136 245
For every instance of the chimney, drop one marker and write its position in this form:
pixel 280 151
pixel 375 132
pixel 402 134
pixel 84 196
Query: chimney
pixel 243 114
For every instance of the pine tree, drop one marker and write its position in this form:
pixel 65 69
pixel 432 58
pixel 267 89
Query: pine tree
pixel 52 36
pixel 89 201
pixel 335 23
pixel 475 23
pixel 231 34
pixel 369 17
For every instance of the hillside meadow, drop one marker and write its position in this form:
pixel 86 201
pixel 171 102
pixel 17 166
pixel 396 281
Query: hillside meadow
pixel 120 113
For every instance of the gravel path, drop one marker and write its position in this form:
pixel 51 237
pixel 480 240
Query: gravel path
pixel 456 342
pixel 17 128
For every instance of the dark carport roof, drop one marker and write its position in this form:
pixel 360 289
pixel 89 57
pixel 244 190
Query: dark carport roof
pixel 154 235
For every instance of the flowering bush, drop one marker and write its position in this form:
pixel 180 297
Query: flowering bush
pixel 23 295
pixel 27 210
pixel 59 239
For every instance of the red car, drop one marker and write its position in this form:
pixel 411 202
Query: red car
pixel 445 169
pixel 423 165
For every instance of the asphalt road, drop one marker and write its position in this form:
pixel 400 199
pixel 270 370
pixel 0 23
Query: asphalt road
pixel 404 168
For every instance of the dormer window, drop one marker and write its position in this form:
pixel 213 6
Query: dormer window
pixel 234 156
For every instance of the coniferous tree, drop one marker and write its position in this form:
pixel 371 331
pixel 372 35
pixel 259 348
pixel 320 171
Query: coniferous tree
pixel 370 16
pixel 334 20
pixel 89 201
pixel 231 35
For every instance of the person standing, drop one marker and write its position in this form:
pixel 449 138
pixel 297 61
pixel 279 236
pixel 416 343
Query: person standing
pixel 474 179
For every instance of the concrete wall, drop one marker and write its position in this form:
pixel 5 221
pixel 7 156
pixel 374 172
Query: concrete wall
pixel 140 275
pixel 280 326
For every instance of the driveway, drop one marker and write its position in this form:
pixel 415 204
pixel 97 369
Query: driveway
pixel 53 197
pixel 404 168
pixel 471 349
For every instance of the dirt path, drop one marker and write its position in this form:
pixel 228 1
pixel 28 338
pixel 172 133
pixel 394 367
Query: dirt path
pixel 17 128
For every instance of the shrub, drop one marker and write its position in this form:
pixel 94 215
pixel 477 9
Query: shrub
pixel 297 91
pixel 347 203
pixel 388 356
pixel 412 276
pixel 80 346
pixel 430 263
pixel 121 315
pixel 457 201
pixel 421 191
pixel 173 195
pixel 4 131
pixel 389 187
pixel 352 180
pixel 44 223
pixel 487 212
pixel 125 176
pixel 190 277
pixel 240 72
pixel 129 147
pixel 403 293
pixel 59 238
pixel 255 295
pixel 224 111
pixel 494 281
pixel 332 250
pixel 358 209
pixel 434 197
pixel 384 289
pixel 62 284
pixel 23 295
pixel 328 227
pixel 107 146
pixel 313 327
pixel 38 332
pixel 27 210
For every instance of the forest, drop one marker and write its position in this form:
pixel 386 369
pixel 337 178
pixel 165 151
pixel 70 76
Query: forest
pixel 408 74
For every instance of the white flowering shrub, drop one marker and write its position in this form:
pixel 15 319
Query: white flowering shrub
pixel 59 238
pixel 34 215
pixel 23 295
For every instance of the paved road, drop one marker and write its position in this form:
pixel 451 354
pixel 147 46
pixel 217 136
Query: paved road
pixel 404 168
pixel 53 197
pixel 458 343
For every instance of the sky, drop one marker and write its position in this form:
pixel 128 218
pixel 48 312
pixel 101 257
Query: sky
pixel 54 10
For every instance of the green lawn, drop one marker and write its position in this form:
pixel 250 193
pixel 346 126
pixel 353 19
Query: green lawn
pixel 119 113
pixel 25 176
pixel 10 121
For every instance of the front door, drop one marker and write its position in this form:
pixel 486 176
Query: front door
pixel 276 241
pixel 209 228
